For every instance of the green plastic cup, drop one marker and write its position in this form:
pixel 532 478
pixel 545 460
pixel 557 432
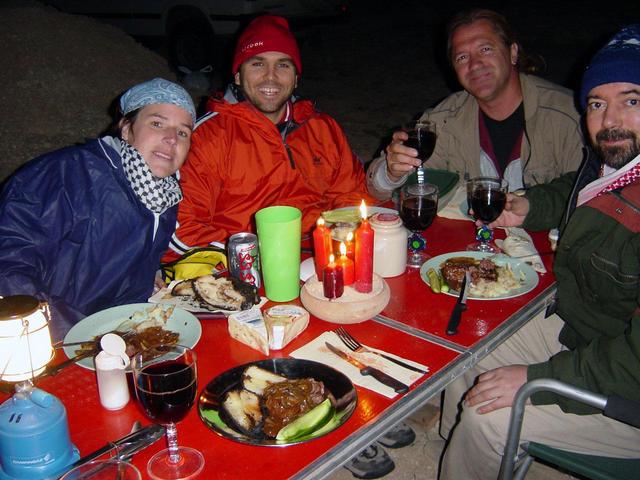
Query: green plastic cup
pixel 279 241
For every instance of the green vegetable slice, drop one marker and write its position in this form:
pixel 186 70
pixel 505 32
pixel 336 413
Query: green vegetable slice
pixel 307 423
pixel 434 280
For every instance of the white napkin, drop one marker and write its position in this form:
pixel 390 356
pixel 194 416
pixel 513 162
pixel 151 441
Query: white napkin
pixel 519 244
pixel 456 208
pixel 316 350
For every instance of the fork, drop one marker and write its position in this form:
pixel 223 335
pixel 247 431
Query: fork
pixel 355 346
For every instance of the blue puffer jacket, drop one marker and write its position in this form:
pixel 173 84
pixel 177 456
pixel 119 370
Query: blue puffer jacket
pixel 73 232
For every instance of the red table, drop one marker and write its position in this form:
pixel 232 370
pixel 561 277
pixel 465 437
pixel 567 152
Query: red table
pixel 412 325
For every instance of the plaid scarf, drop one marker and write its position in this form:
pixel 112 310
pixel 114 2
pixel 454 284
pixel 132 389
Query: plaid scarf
pixel 157 194
pixel 612 181
pixel 629 177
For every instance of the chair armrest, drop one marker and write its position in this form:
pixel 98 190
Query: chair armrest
pixel 624 410
pixel 517 412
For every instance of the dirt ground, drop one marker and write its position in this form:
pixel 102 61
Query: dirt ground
pixel 373 72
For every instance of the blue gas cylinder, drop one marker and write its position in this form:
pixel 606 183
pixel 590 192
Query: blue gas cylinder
pixel 34 436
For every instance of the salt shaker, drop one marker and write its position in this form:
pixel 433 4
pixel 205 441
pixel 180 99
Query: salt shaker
pixel 390 245
pixel 111 363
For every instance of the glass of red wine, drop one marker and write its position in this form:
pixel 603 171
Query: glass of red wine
pixel 166 386
pixel 422 137
pixel 488 198
pixel 418 208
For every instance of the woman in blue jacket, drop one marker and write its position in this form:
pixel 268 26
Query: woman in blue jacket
pixel 84 227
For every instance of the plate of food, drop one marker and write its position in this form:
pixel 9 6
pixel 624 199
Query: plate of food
pixel 146 324
pixel 493 276
pixel 277 402
pixel 352 214
pixel 209 294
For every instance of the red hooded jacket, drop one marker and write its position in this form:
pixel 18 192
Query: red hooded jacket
pixel 239 162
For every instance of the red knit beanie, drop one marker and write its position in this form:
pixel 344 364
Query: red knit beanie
pixel 266 34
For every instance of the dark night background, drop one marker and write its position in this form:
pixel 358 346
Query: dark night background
pixel 374 70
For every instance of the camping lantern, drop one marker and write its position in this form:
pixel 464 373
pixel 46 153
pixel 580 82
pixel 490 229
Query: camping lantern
pixel 34 435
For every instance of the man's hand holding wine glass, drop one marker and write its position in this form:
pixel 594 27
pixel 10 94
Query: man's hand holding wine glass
pixel 514 213
pixel 410 148
pixel 401 159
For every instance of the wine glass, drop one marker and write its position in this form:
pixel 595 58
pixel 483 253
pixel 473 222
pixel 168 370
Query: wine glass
pixel 166 386
pixel 488 198
pixel 418 208
pixel 422 137
pixel 103 470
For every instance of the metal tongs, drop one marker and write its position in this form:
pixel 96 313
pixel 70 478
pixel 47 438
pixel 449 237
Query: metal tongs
pixel 126 447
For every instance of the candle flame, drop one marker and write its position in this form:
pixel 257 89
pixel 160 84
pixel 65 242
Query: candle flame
pixel 363 210
pixel 343 249
pixel 332 258
pixel 320 222
pixel 350 237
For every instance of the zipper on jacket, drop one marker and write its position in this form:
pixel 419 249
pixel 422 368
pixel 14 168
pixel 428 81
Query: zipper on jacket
pixel 573 197
pixel 290 155
pixel 284 131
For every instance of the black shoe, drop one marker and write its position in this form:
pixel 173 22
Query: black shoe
pixel 399 436
pixel 372 462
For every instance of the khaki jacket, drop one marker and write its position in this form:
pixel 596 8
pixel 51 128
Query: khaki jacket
pixel 551 146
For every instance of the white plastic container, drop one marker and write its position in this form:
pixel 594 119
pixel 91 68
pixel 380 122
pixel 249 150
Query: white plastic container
pixel 111 364
pixel 389 245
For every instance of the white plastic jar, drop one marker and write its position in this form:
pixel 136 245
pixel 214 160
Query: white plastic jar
pixel 389 245
pixel 111 363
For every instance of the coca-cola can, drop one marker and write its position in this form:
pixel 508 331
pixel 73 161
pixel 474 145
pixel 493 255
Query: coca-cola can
pixel 243 257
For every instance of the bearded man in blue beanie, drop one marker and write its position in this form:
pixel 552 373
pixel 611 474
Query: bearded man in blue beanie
pixel 592 340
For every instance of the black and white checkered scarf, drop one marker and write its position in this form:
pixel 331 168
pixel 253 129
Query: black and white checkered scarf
pixel 157 194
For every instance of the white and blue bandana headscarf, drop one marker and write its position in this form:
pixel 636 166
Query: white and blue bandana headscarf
pixel 156 91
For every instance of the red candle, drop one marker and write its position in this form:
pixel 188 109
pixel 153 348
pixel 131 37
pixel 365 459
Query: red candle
pixel 321 246
pixel 347 265
pixel 342 234
pixel 351 253
pixel 364 254
pixel 332 281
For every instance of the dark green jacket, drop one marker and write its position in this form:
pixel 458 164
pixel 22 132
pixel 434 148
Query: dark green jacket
pixel 597 268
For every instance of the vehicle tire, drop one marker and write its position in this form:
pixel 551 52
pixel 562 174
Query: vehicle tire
pixel 192 44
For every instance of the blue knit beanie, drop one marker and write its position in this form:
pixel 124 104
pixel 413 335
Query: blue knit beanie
pixel 618 61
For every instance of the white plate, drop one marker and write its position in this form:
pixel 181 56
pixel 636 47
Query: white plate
pixel 181 321
pixel 370 210
pixel 188 303
pixel 520 269
pixel 307 269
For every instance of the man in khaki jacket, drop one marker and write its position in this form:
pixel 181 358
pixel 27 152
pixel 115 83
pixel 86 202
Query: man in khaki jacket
pixel 505 123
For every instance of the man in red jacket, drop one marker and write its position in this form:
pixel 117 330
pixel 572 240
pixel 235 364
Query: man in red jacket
pixel 260 146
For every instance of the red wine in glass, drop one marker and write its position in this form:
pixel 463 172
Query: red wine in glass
pixel 488 197
pixel 418 213
pixel 424 141
pixel 488 204
pixel 418 208
pixel 166 386
pixel 167 390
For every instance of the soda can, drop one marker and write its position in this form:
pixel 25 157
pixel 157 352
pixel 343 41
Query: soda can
pixel 243 257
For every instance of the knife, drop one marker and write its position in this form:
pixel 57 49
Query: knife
pixel 460 306
pixel 379 375
pixel 127 446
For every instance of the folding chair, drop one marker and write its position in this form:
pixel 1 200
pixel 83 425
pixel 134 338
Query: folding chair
pixel 589 466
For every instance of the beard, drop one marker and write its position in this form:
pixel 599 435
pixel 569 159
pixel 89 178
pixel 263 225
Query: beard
pixel 617 156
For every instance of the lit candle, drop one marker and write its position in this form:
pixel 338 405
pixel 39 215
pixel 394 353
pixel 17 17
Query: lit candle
pixel 333 281
pixel 364 253
pixel 321 246
pixel 350 246
pixel 347 265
